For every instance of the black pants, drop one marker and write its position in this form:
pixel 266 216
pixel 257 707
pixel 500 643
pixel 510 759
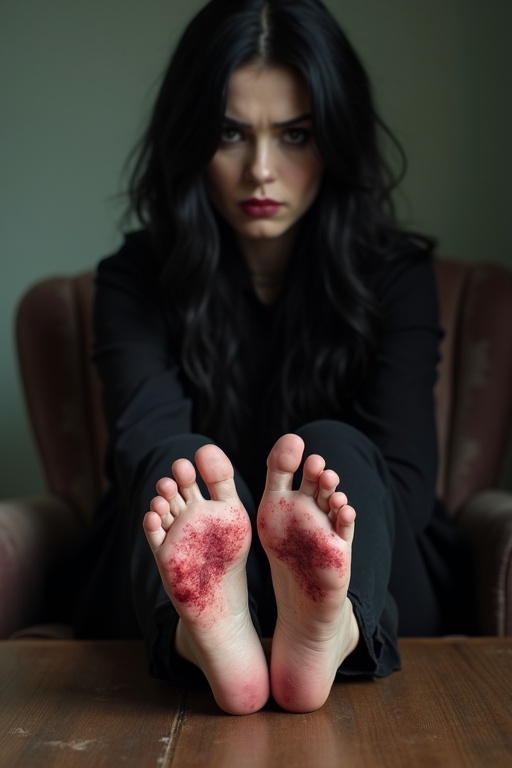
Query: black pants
pixel 399 583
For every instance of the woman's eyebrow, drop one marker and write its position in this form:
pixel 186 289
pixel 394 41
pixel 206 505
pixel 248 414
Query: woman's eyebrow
pixel 232 123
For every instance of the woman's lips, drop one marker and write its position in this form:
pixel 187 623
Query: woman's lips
pixel 260 208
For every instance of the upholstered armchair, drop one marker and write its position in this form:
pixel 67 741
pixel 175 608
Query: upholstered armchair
pixel 474 410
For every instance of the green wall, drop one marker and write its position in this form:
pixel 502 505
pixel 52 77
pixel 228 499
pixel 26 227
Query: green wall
pixel 78 79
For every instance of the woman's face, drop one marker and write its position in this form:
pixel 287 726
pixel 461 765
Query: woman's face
pixel 267 170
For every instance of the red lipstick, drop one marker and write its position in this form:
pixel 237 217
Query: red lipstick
pixel 260 207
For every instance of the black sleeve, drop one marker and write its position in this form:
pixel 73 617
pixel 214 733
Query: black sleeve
pixel 143 395
pixel 396 408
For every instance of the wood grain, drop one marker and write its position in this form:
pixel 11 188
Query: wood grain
pixel 66 704
pixel 451 705
pixel 70 703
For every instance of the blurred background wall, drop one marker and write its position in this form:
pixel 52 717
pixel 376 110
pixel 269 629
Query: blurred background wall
pixel 77 82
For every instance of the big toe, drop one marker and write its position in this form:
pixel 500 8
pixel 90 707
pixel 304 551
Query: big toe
pixel 283 461
pixel 217 472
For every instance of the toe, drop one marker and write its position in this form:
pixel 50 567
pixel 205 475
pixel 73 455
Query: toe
pixel 160 506
pixel 327 484
pixel 217 472
pixel 185 475
pixel 167 488
pixel 313 468
pixel 168 493
pixel 283 461
pixel 343 517
pixel 165 510
pixel 155 534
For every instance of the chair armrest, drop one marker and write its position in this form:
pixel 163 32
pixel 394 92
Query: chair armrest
pixel 486 522
pixel 33 530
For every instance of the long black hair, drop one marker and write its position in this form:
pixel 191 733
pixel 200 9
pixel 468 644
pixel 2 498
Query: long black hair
pixel 329 315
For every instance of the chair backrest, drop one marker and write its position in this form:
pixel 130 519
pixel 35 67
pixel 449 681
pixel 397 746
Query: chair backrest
pixel 62 390
pixel 474 392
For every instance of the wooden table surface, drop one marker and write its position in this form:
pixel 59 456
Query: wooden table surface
pixel 73 703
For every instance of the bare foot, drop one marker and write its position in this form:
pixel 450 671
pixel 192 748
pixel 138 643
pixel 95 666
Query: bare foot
pixel 307 535
pixel 201 547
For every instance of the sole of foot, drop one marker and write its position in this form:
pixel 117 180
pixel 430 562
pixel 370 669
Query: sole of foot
pixel 200 547
pixel 307 535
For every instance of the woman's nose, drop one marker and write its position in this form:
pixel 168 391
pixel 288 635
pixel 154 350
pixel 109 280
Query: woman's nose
pixel 261 163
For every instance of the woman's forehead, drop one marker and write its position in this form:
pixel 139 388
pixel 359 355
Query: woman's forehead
pixel 274 93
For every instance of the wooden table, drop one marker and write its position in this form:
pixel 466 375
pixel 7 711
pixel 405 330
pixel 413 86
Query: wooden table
pixel 73 703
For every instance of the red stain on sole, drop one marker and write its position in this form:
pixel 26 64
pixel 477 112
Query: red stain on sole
pixel 202 557
pixel 305 551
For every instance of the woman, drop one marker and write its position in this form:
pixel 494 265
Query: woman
pixel 268 332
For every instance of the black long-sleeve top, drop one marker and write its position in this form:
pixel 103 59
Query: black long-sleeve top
pixel 146 397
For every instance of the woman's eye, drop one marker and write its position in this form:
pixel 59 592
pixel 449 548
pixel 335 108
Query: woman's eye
pixel 230 136
pixel 297 136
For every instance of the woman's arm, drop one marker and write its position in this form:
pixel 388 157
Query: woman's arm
pixel 396 409
pixel 143 395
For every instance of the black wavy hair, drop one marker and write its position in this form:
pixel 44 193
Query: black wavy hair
pixel 329 315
